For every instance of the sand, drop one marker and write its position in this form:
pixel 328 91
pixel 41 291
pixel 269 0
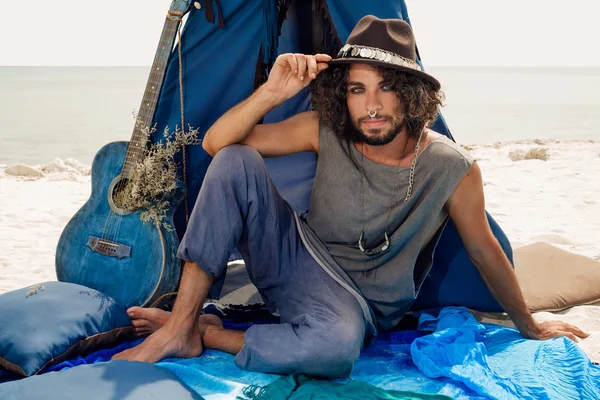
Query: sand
pixel 555 200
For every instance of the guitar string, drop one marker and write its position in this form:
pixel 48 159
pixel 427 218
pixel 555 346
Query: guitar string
pixel 122 184
pixel 131 158
pixel 106 232
pixel 110 233
pixel 125 175
pixel 140 142
pixel 114 218
pixel 109 224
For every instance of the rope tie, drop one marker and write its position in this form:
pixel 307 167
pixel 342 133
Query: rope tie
pixel 174 15
pixel 183 149
pixel 178 16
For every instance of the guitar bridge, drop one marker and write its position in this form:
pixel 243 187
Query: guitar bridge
pixel 109 248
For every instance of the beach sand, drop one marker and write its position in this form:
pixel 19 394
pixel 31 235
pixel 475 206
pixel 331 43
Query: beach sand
pixel 554 201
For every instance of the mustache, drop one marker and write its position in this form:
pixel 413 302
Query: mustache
pixel 383 117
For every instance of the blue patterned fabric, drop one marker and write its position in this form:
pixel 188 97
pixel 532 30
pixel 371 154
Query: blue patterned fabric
pixel 49 322
pixel 499 363
pixel 462 359
pixel 122 380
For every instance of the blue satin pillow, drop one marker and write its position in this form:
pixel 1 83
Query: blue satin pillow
pixel 123 380
pixel 51 322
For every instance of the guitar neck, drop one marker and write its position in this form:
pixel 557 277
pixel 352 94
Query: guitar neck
pixel 147 109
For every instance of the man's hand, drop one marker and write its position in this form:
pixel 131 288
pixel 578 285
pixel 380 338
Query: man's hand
pixel 293 72
pixel 552 329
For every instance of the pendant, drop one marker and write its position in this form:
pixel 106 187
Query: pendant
pixel 371 252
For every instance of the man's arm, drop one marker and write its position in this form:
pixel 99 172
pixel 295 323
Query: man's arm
pixel 466 207
pixel 293 135
pixel 290 74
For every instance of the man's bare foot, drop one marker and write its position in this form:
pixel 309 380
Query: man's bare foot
pixel 168 341
pixel 149 320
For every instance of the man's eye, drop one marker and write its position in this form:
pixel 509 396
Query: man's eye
pixel 356 90
pixel 387 88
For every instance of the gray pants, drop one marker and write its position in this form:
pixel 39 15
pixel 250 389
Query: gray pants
pixel 322 327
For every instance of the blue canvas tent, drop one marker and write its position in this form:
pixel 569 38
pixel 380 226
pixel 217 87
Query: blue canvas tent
pixel 226 50
pixel 222 68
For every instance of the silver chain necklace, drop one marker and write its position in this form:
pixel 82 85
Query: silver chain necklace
pixel 411 180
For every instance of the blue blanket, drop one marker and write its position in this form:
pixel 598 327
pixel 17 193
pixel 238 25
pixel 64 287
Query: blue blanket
pixel 451 353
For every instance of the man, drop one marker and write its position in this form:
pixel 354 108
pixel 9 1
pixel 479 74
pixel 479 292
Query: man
pixel 383 183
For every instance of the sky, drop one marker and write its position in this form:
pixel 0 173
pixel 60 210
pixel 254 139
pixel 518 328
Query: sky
pixel 449 32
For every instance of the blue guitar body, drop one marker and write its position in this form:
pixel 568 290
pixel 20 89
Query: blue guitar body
pixel 112 251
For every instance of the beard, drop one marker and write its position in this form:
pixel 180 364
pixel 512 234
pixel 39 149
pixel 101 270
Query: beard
pixel 377 136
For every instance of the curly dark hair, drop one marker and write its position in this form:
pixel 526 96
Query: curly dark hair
pixel 419 97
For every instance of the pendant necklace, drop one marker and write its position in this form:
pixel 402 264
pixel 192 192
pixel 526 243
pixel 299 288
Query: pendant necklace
pixel 385 247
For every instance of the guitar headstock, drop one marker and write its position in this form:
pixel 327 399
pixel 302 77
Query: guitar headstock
pixel 182 6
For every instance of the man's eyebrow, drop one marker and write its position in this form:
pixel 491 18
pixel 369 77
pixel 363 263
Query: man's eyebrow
pixel 383 82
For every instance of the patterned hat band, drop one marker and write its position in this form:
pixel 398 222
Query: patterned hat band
pixel 373 53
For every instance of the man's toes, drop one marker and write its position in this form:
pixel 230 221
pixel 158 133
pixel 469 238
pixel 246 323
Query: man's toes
pixel 139 323
pixel 133 312
pixel 142 332
pixel 152 315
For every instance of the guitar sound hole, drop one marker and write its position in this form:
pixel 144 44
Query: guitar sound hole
pixel 115 188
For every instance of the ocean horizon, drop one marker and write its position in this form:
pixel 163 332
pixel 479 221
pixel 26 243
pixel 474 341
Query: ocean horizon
pixel 71 112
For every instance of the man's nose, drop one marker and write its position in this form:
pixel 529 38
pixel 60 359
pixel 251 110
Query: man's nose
pixel 373 103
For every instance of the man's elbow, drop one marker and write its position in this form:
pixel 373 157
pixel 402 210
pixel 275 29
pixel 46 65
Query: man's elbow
pixel 206 146
pixel 485 252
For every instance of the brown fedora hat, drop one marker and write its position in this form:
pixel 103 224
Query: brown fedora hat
pixel 386 43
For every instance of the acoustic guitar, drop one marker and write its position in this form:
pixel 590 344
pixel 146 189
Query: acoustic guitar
pixel 107 248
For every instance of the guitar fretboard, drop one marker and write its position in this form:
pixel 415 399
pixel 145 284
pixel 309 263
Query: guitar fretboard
pixel 145 115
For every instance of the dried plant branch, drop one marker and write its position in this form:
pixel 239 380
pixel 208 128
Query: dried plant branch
pixel 153 180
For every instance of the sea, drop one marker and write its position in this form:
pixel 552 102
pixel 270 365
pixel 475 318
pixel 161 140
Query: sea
pixel 71 112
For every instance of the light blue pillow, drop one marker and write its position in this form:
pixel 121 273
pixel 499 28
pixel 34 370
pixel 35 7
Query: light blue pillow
pixel 123 380
pixel 51 322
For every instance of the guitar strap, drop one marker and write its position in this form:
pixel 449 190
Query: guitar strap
pixel 178 16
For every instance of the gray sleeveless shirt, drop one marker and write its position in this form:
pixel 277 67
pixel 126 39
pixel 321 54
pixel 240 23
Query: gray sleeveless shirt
pixel 332 227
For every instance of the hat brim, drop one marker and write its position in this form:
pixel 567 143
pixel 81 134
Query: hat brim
pixel 351 60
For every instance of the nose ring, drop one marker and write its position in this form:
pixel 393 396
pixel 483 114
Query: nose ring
pixel 373 115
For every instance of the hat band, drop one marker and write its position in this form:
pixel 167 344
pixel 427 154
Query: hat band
pixel 373 53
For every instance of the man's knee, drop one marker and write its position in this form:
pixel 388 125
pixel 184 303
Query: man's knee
pixel 326 350
pixel 332 354
pixel 235 161
pixel 237 154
